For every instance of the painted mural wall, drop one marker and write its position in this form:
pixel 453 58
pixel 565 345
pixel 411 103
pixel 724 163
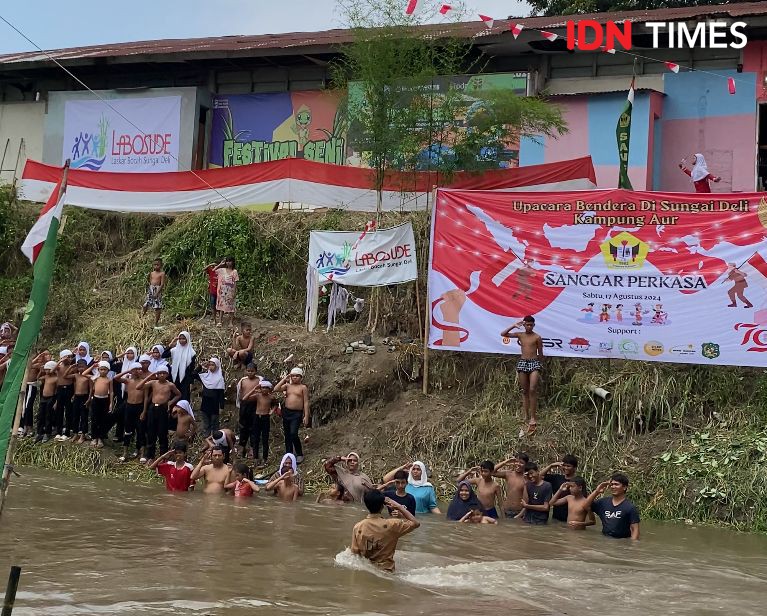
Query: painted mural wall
pixel 695 113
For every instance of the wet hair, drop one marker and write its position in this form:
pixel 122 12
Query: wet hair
pixel 400 475
pixel 531 466
pixel 620 478
pixel 570 459
pixel 523 456
pixel 244 470
pixel 251 366
pixel 581 483
pixel 217 435
pixel 488 465
pixel 179 446
pixel 529 319
pixel 374 501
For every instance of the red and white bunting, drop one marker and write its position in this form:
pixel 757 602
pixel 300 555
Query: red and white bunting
pixel 549 36
pixel 488 21
pixel 516 29
pixel 674 68
pixel 731 85
pixel 445 8
pixel 410 9
pixel 607 49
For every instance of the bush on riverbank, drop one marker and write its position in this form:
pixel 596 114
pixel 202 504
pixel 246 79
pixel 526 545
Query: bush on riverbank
pixel 653 429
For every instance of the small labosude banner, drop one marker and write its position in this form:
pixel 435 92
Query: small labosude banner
pixel 128 135
pixel 368 258
pixel 615 273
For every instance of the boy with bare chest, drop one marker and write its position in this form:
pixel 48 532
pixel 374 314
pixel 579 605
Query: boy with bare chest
pixel 155 287
pixel 529 368
pixel 241 351
pixel 102 398
pixel 296 408
pixel 488 491
pixel 64 393
pixel 515 483
pixel 265 404
pixel 80 399
pixel 161 395
pixel 134 405
pixel 186 426
pixel 48 382
pixel 247 387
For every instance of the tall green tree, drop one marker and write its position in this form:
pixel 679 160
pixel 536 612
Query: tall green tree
pixel 572 7
pixel 402 112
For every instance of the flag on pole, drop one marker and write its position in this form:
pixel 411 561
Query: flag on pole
pixel 42 255
pixel 674 68
pixel 411 7
pixel 445 8
pixel 549 36
pixel 516 29
pixel 623 135
pixel 608 49
pixel 489 21
pixel 758 263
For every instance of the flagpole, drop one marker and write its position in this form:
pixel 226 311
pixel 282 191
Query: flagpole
pixel 427 307
pixel 8 466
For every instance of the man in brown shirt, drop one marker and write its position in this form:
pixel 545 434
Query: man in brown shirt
pixel 376 537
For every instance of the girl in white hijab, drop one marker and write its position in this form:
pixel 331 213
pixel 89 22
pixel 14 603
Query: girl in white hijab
pixel 156 358
pixel 699 174
pixel 213 389
pixel 418 486
pixel 83 351
pixel 182 356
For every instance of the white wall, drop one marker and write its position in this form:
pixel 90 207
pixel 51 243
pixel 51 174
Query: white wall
pixel 20 121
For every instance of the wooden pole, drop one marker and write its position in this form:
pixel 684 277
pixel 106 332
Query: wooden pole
pixel 8 466
pixel 10 591
pixel 427 307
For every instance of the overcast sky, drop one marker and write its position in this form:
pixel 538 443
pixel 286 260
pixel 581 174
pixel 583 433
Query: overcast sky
pixel 53 23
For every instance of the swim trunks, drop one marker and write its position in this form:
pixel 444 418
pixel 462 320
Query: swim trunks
pixel 529 365
pixel 510 513
pixel 491 513
pixel 153 297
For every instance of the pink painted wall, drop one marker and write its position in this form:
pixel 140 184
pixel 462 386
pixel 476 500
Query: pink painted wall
pixel 575 143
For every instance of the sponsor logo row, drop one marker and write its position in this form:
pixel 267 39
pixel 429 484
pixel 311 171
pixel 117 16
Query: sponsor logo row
pixel 627 346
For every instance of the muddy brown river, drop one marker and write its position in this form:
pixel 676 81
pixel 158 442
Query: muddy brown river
pixel 90 546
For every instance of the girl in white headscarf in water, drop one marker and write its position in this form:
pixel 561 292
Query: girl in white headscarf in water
pixel 699 174
pixel 418 486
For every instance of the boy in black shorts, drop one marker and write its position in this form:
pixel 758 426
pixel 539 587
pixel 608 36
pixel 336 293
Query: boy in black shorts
pixel 529 368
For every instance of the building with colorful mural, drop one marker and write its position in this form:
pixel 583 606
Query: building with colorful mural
pixel 247 99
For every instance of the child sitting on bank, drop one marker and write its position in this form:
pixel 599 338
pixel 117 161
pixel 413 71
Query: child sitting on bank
pixel 242 486
pixel 241 351
pixel 186 426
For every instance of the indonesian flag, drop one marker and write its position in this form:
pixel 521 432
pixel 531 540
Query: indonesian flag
pixel 445 8
pixel 489 21
pixel 674 68
pixel 758 263
pixel 608 49
pixel 516 29
pixel 549 36
pixel 35 239
pixel 411 7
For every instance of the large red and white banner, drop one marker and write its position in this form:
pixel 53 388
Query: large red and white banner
pixel 609 273
pixel 289 180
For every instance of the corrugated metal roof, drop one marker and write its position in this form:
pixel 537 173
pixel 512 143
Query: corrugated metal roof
pixel 312 42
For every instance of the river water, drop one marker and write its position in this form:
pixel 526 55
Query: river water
pixel 91 546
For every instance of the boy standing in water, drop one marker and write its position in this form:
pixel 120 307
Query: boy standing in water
pixel 537 498
pixel 296 407
pixel 155 286
pixel 529 368
pixel 376 537
pixel 569 466
pixel 572 494
pixel 515 483
pixel 398 494
pixel 488 491
pixel 178 472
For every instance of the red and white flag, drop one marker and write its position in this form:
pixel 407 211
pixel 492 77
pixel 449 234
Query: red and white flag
pixel 488 21
pixel 516 29
pixel 33 243
pixel 731 85
pixel 674 68
pixel 608 49
pixel 549 36
pixel 411 7
pixel 445 8
pixel 758 263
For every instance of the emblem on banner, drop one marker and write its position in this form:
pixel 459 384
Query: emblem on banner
pixel 580 344
pixel 709 350
pixel 653 348
pixel 624 251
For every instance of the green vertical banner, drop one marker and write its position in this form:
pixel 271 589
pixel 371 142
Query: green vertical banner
pixel 623 135
pixel 42 253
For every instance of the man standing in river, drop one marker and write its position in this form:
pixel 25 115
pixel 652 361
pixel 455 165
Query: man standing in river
pixel 215 473
pixel 296 408
pixel 529 368
pixel 619 516
pixel 376 537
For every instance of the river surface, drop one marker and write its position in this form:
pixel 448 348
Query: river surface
pixel 92 546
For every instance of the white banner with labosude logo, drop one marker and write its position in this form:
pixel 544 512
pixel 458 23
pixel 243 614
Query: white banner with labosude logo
pixel 368 258
pixel 613 273
pixel 127 134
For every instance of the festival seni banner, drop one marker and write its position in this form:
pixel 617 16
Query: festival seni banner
pixel 606 273
pixel 366 258
pixel 99 137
